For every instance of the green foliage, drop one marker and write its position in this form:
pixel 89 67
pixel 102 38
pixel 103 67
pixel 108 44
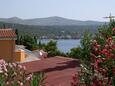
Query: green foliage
pixel 40 45
pixel 18 39
pixel 74 53
pixel 51 48
pixel 2 80
pixel 50 31
pixel 86 46
pixel 37 79
pixel 82 52
pixel 98 58
pixel 29 41
pixel 106 30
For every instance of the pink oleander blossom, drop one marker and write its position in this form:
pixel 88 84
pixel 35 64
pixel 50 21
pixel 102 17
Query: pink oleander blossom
pixel 113 29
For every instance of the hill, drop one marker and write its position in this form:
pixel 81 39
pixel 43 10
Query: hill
pixel 55 31
pixel 51 27
pixel 49 21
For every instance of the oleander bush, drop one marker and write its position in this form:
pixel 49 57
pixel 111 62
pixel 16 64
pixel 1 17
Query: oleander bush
pixel 98 59
pixel 12 74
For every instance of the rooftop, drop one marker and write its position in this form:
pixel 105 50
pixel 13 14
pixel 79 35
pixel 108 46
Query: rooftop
pixel 7 33
pixel 58 70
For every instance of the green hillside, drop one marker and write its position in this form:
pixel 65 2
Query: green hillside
pixel 51 31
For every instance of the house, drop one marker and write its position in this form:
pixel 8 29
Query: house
pixel 11 52
pixel 7 46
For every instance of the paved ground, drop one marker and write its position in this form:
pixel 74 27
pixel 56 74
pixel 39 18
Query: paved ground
pixel 58 70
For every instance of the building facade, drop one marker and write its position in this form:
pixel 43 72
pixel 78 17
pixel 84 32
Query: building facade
pixel 7 44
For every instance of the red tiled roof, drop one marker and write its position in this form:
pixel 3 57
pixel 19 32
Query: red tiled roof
pixel 58 70
pixel 7 33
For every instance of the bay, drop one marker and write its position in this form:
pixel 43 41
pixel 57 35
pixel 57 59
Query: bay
pixel 64 45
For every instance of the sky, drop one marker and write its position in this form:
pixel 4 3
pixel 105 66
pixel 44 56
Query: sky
pixel 71 9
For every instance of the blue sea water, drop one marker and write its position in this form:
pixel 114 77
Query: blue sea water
pixel 64 45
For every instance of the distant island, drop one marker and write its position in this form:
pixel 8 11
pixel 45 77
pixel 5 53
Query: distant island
pixel 51 27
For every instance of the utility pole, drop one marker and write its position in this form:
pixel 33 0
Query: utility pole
pixel 110 17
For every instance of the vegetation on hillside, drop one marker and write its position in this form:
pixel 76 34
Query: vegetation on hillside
pixel 51 31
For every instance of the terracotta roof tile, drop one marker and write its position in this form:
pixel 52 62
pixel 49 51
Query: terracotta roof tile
pixel 7 33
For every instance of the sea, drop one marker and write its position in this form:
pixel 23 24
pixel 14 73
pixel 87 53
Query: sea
pixel 64 45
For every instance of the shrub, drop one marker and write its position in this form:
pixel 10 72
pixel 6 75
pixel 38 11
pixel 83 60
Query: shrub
pixel 12 74
pixel 98 59
pixel 74 53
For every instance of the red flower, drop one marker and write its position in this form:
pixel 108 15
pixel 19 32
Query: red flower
pixel 107 53
pixel 104 51
pixel 109 40
pixel 75 80
pixel 113 46
pixel 106 46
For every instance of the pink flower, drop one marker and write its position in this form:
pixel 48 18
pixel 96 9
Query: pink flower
pixel 94 41
pixel 113 29
pixel 10 65
pixel 20 66
pixel 14 64
pixel 106 46
pixel 7 83
pixel 5 74
pixel 20 83
pixel 24 68
pixel 29 77
pixel 109 40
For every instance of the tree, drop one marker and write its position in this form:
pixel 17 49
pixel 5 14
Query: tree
pixel 18 38
pixel 51 48
pixel 29 42
pixel 74 53
pixel 35 39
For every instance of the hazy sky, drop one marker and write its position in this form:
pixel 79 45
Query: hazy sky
pixel 73 9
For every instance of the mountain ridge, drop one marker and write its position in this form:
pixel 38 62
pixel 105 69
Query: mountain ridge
pixel 50 21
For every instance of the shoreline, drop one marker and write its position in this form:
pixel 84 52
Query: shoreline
pixel 59 39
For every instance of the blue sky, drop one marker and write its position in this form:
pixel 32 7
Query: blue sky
pixel 73 9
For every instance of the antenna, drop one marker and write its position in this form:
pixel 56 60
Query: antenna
pixel 110 17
